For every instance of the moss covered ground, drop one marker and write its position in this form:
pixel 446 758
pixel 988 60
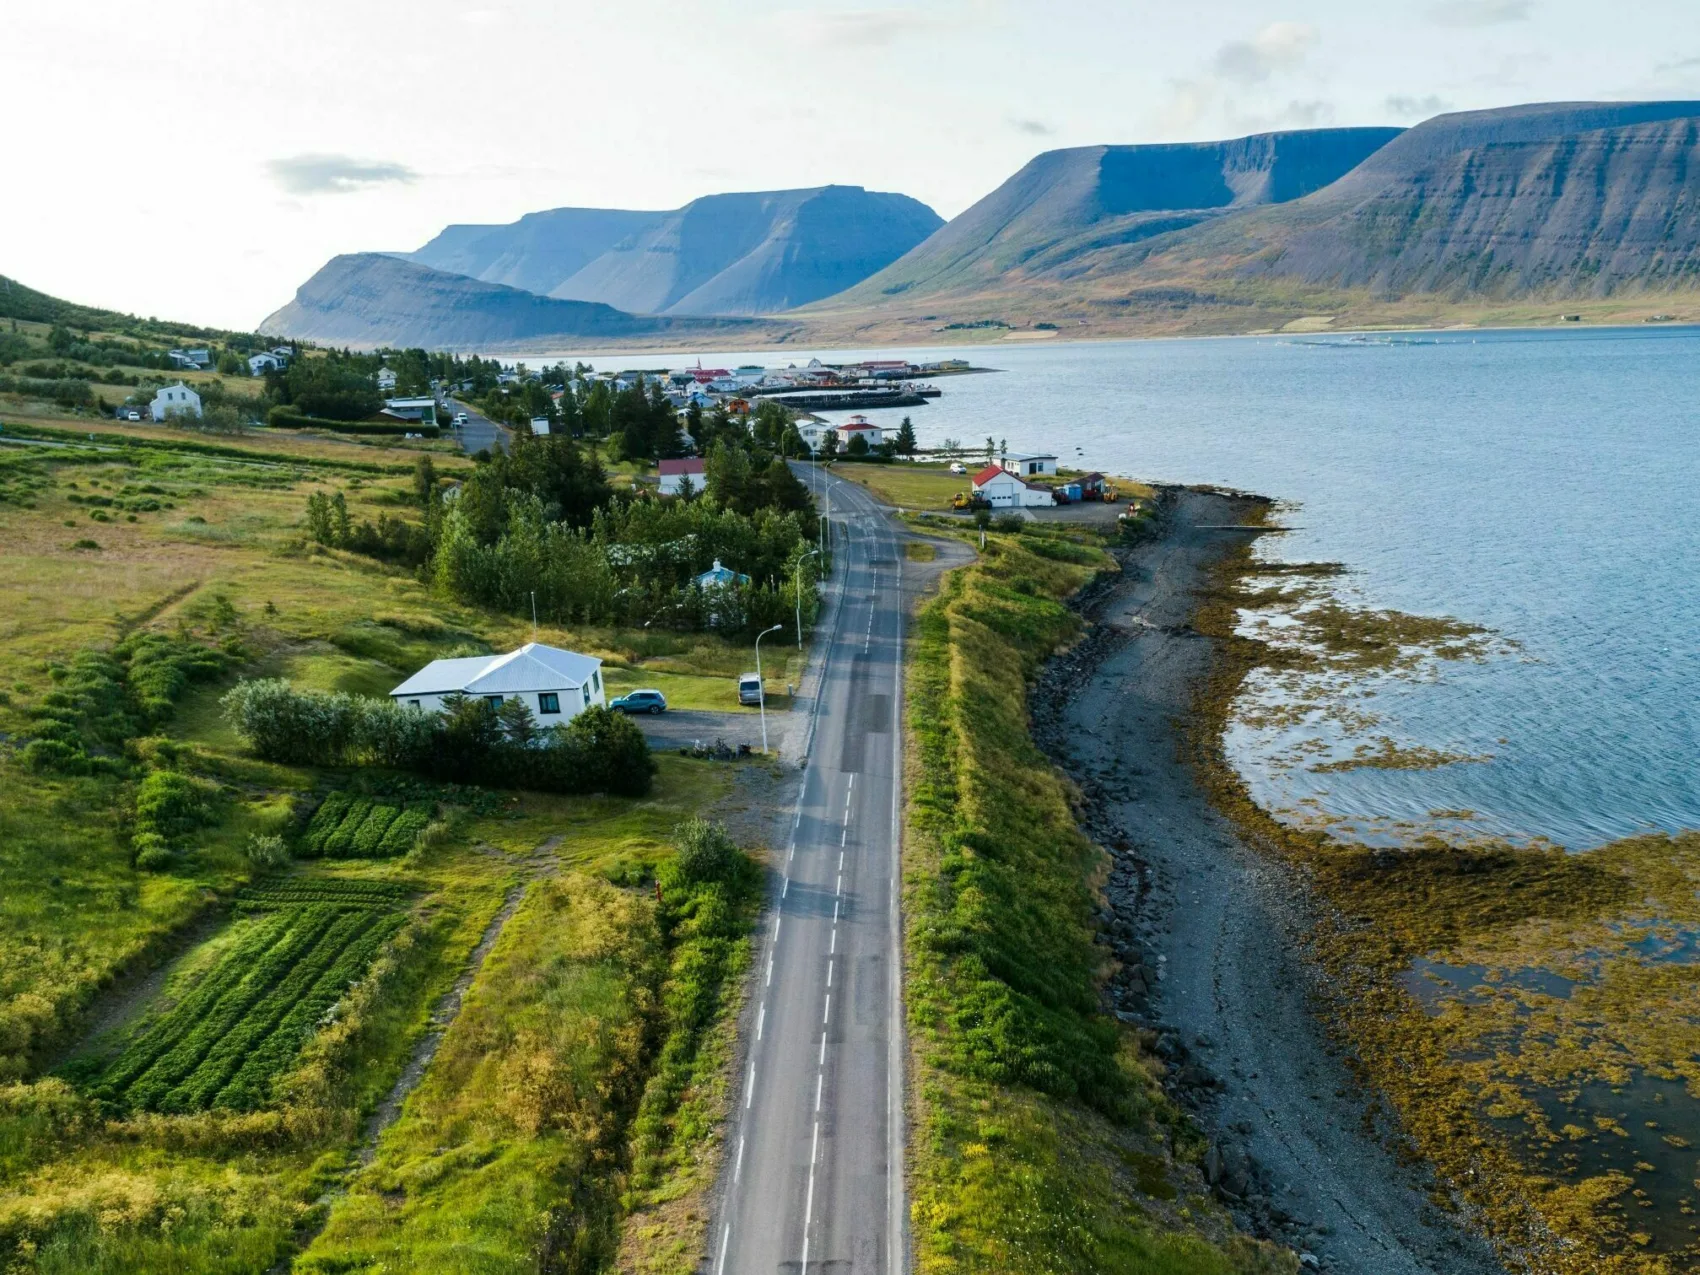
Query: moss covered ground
pixel 1042 1141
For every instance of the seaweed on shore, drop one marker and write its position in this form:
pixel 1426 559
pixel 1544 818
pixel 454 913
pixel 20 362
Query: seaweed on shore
pixel 1532 1015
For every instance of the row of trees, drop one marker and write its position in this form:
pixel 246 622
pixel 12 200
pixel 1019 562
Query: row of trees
pixel 469 742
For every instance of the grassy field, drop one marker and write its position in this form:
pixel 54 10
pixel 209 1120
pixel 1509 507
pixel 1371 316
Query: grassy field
pixel 930 487
pixel 188 1053
pixel 1043 1141
pixel 920 487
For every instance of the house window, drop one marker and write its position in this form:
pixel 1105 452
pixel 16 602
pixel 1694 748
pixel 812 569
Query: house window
pixel 596 679
pixel 494 701
pixel 586 689
pixel 548 702
pixel 413 703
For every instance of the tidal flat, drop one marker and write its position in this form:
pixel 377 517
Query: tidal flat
pixel 1531 1014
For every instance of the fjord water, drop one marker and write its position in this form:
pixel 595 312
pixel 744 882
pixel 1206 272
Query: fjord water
pixel 1542 483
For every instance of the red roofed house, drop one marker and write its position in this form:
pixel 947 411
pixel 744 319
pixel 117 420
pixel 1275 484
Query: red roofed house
pixel 860 427
pixel 1003 490
pixel 675 472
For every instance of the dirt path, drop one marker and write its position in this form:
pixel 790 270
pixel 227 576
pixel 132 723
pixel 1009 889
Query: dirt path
pixel 1208 933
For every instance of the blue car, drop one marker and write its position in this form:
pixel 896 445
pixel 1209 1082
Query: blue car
pixel 641 702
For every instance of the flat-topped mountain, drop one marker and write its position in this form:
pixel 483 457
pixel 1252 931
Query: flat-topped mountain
pixel 1067 204
pixel 1526 204
pixel 538 251
pixel 754 253
pixel 1568 200
pixel 370 299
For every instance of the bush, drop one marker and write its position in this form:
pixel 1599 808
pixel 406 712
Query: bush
pixel 55 755
pixel 1009 524
pixel 152 853
pixel 266 851
pixel 705 851
pixel 172 805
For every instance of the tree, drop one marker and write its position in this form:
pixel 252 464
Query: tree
pixel 424 480
pixel 829 444
pixel 330 387
pixel 905 443
pixel 991 448
pixel 517 722
pixel 858 445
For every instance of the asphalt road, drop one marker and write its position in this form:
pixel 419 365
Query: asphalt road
pixel 814 1167
pixel 479 432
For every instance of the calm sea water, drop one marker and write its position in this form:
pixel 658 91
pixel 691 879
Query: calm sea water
pixel 1543 484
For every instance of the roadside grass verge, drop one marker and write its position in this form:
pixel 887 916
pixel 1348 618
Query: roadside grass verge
pixel 584 1079
pixel 1041 1140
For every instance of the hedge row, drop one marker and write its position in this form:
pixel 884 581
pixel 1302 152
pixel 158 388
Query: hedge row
pixel 288 418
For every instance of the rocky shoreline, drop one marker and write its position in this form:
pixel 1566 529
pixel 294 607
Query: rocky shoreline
pixel 1208 932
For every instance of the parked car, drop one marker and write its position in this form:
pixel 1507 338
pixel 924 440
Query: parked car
pixel 460 418
pixel 650 701
pixel 132 416
pixel 749 688
pixel 957 467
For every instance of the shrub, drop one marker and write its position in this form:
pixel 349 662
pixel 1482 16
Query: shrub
pixel 281 724
pixel 152 852
pixel 55 755
pixel 266 851
pixel 705 851
pixel 172 805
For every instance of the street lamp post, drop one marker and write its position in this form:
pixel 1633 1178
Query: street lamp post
pixel 761 692
pixel 800 561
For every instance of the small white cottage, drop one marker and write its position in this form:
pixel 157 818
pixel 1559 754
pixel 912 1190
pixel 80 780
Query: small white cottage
pixel 555 685
pixel 176 400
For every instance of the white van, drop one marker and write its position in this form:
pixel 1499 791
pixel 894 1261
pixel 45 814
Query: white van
pixel 749 688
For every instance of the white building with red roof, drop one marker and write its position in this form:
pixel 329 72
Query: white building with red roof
pixel 675 473
pixel 1003 490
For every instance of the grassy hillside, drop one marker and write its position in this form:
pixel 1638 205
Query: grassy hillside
pixel 196 1022
pixel 1042 1140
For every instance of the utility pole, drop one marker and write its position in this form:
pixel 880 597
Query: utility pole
pixel 761 696
pixel 534 615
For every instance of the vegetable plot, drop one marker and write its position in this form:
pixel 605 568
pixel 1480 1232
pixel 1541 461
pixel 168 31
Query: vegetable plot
pixel 348 827
pixel 247 1019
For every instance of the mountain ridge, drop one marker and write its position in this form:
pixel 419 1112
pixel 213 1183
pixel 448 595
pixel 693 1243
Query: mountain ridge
pixel 744 253
pixel 375 299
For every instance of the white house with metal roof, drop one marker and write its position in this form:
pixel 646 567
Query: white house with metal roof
pixel 555 685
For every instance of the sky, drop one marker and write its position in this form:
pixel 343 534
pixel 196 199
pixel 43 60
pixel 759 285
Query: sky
pixel 200 162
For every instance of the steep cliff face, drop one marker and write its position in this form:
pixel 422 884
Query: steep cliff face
pixel 754 253
pixel 1582 213
pixel 1065 205
pixel 372 299
pixel 538 251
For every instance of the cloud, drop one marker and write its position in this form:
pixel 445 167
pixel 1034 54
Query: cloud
pixel 1417 108
pixel 1033 128
pixel 1478 13
pixel 1280 46
pixel 1685 64
pixel 861 28
pixel 335 174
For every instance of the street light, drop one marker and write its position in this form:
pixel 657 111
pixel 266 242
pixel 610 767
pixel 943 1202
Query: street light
pixel 800 561
pixel 761 686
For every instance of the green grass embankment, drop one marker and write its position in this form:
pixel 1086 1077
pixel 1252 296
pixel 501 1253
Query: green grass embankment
pixel 1041 1140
